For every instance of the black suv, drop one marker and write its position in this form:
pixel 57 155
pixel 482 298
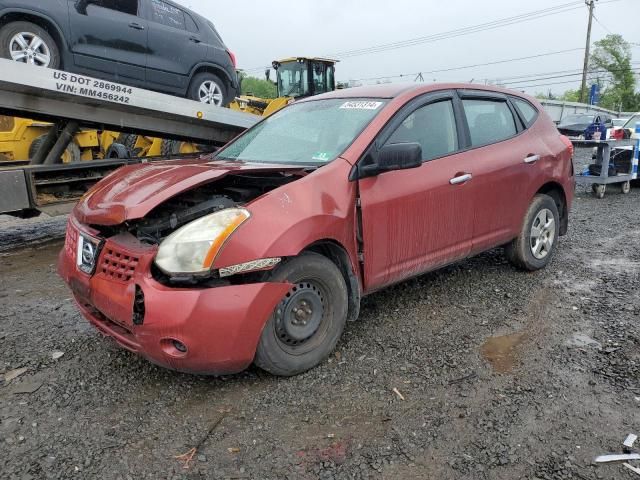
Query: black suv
pixel 153 44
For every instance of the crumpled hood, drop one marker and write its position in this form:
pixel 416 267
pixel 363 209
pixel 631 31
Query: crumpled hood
pixel 131 192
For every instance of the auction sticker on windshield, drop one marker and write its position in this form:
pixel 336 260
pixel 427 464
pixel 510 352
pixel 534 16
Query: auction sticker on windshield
pixel 361 105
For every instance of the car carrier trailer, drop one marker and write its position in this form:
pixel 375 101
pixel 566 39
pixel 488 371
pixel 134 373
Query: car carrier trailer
pixel 72 102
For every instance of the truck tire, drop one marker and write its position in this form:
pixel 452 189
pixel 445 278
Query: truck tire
pixel 71 155
pixel 117 151
pixel 207 87
pixel 306 325
pixel 27 42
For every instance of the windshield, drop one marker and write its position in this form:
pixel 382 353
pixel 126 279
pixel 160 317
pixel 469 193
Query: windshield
pixel 293 80
pixel 577 119
pixel 310 133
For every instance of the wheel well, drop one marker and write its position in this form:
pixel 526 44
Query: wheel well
pixel 555 191
pixel 215 70
pixel 338 255
pixel 41 22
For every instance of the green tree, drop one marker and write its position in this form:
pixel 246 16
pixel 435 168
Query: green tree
pixel 610 66
pixel 257 87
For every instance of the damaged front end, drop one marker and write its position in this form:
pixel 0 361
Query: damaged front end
pixel 189 229
pixel 148 282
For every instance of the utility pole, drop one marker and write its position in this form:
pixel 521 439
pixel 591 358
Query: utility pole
pixel 591 4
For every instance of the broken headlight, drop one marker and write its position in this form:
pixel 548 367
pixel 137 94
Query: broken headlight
pixel 193 248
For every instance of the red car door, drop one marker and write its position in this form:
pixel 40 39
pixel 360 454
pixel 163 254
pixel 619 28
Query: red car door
pixel 504 163
pixel 418 219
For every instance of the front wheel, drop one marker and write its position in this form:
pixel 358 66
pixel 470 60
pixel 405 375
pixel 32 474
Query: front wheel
pixel 534 247
pixel 308 322
pixel 207 88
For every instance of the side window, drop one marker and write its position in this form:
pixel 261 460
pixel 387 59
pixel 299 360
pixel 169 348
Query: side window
pixel 125 6
pixel 433 127
pixel 191 24
pixel 165 14
pixel 490 121
pixel 528 111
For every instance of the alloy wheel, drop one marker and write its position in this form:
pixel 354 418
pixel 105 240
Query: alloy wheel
pixel 211 93
pixel 543 234
pixel 27 47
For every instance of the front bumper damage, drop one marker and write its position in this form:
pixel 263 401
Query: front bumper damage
pixel 196 330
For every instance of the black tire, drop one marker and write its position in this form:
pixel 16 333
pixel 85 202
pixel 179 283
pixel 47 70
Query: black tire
pixel 128 140
pixel 117 151
pixel 284 348
pixel 170 147
pixel 74 155
pixel 10 30
pixel 208 78
pixel 520 251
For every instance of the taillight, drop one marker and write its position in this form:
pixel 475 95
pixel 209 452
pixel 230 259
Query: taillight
pixel 233 58
pixel 568 143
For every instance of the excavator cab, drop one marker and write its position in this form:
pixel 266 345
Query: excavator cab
pixel 301 77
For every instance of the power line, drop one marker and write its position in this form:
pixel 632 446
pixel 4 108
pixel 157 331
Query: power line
pixel 452 33
pixel 566 75
pixel 602 25
pixel 461 31
pixel 451 69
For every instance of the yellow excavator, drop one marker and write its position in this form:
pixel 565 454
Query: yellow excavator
pixel 296 77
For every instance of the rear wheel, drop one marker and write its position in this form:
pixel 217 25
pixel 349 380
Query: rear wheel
pixel 534 247
pixel 27 42
pixel 207 88
pixel 307 323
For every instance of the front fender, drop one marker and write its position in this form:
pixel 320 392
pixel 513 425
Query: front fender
pixel 320 206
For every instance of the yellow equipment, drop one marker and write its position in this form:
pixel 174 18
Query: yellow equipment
pixel 297 77
pixel 20 139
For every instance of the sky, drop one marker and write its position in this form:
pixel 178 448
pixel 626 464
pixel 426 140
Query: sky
pixel 259 31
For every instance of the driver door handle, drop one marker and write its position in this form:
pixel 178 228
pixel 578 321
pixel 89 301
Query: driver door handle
pixel 461 179
pixel 532 159
pixel 136 25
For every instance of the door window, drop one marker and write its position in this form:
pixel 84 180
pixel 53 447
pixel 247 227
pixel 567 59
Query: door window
pixel 433 126
pixel 125 6
pixel 167 15
pixel 490 121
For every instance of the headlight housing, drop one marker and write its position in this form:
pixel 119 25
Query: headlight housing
pixel 193 248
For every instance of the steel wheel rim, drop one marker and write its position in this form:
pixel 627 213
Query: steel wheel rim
pixel 211 93
pixel 543 234
pixel 300 318
pixel 27 47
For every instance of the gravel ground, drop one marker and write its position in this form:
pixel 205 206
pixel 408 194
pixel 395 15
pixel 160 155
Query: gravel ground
pixel 477 371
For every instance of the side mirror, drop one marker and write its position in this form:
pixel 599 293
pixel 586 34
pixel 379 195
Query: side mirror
pixel 399 156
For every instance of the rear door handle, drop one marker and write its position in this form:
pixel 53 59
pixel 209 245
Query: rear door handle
pixel 461 179
pixel 136 25
pixel 532 159
pixel 195 39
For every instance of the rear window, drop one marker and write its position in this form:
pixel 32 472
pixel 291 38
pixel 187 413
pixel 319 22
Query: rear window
pixel 527 111
pixel 490 121
pixel 124 6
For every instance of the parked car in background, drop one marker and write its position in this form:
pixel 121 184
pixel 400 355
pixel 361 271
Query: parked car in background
pixel 584 124
pixel 262 252
pixel 620 122
pixel 152 44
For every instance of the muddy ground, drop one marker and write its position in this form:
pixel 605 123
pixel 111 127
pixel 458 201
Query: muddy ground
pixel 478 371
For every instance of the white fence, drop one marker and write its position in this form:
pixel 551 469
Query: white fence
pixel 558 109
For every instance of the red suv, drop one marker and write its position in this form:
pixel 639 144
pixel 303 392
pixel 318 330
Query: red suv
pixel 263 252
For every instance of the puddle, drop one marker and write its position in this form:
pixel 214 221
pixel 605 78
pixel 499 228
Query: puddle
pixel 501 352
pixel 580 340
